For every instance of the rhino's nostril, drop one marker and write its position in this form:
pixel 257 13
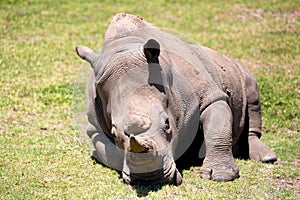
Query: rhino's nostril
pixel 126 178
pixel 128 135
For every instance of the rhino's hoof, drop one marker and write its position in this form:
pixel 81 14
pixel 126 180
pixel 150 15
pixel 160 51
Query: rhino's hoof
pixel 228 174
pixel 260 152
pixel 219 170
pixel 269 159
pixel 220 175
pixel 223 177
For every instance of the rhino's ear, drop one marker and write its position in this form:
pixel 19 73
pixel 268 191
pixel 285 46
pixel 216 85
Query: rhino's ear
pixel 86 54
pixel 152 50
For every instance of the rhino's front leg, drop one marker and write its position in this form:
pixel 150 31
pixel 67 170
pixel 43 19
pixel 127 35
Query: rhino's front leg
pixel 107 152
pixel 219 164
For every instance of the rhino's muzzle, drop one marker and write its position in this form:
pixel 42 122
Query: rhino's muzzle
pixel 160 176
pixel 146 164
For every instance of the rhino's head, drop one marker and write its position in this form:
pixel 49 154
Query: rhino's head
pixel 150 128
pixel 143 121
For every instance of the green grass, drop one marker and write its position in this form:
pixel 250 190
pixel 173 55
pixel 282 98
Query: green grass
pixel 42 155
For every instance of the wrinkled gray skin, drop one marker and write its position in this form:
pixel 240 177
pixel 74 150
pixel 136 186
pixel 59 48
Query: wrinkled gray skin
pixel 149 92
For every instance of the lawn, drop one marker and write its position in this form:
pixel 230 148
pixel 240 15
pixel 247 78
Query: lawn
pixel 43 154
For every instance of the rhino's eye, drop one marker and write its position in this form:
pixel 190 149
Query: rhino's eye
pixel 167 125
pixel 167 130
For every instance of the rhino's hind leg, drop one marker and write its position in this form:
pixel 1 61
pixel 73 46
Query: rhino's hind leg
pixel 257 149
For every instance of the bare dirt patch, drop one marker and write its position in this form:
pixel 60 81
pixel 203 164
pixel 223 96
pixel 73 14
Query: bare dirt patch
pixel 288 183
pixel 246 14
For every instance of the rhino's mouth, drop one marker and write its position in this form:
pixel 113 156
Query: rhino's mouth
pixel 168 175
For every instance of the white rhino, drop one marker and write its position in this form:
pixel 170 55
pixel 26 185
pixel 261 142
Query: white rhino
pixel 150 94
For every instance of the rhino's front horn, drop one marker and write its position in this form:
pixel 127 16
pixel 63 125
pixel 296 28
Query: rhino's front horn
pixel 141 145
pixel 86 54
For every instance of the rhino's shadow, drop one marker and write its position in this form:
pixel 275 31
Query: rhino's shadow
pixel 189 159
pixel 142 190
pixel 192 158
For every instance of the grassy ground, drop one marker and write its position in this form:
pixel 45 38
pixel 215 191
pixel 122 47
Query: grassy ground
pixel 41 153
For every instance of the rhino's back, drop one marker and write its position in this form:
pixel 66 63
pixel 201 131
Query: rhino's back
pixel 209 74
